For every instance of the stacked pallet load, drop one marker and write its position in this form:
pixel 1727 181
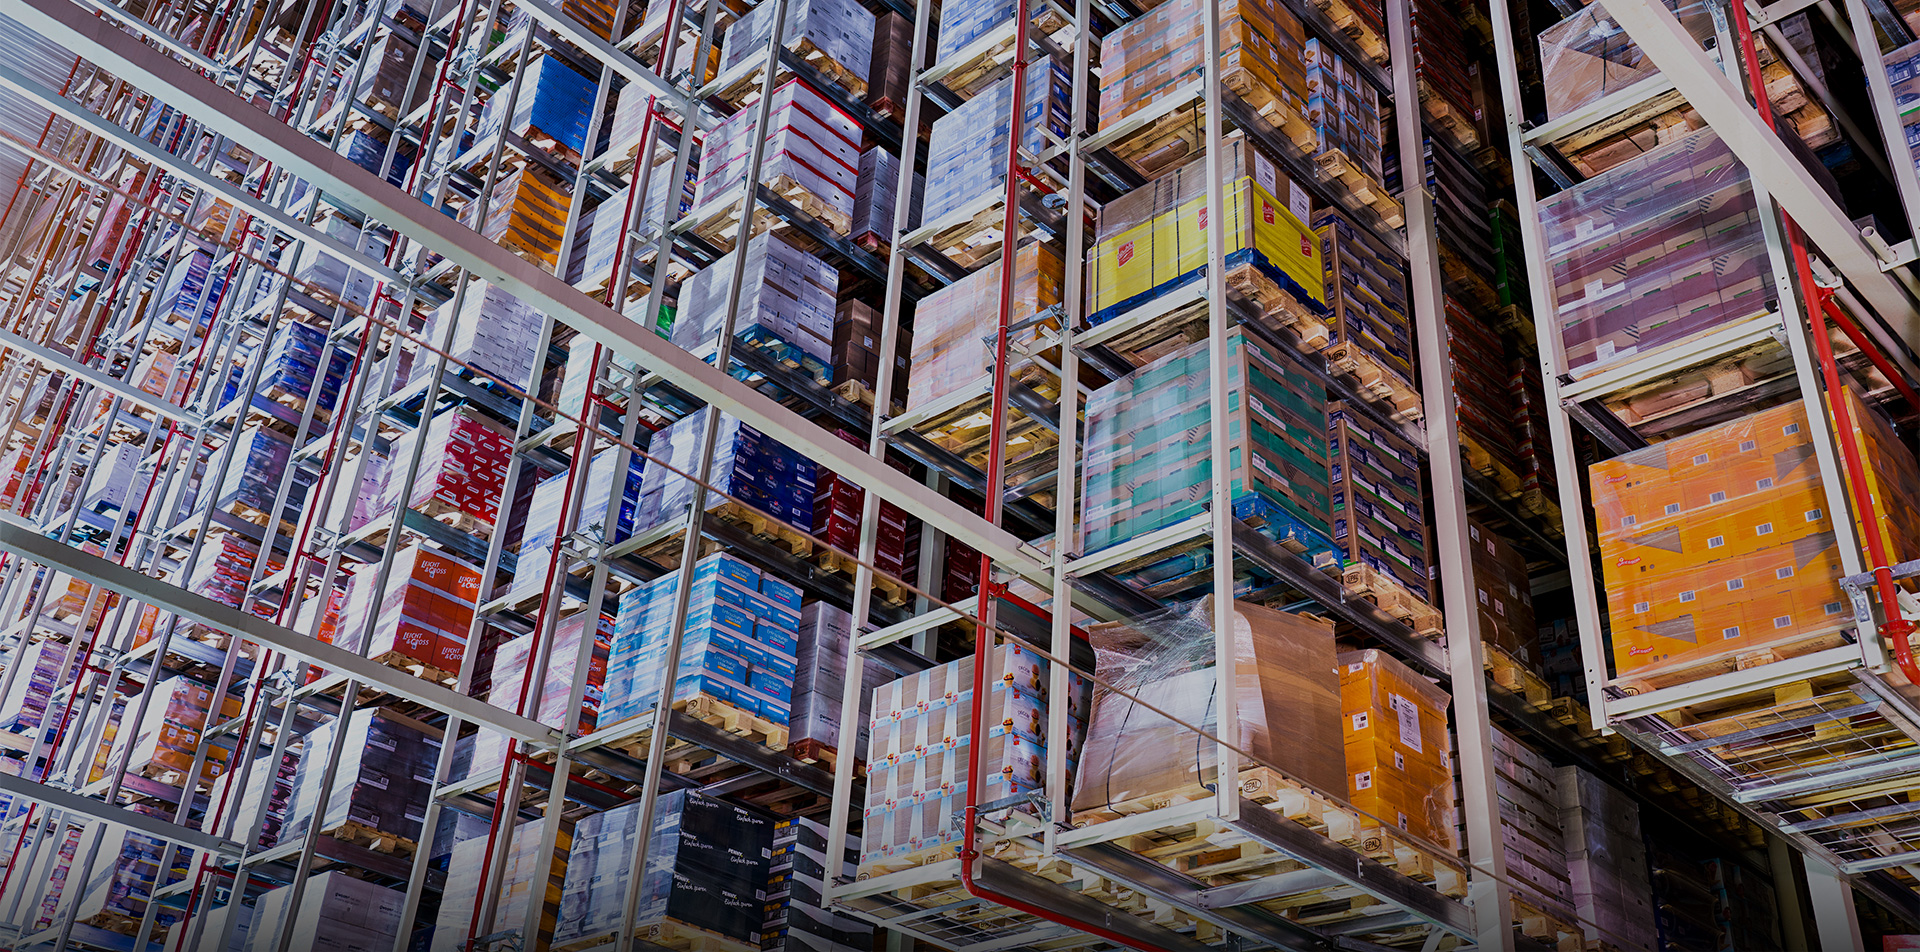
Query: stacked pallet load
pixel 1503 594
pixel 967 153
pixel 1288 697
pixel 819 685
pixel 1718 549
pixel 1461 199
pixel 493 337
pixel 666 200
pixel 1654 252
pixel 462 470
pixel 1484 406
pixel 526 213
pixel 1399 754
pixel 1263 48
pixel 42 673
pixel 551 108
pixel 337 913
pixel 331 280
pixel 529 875
pixel 164 742
pixel 832 36
pixel 191 292
pixel 542 517
pixel 125 874
pixel 1745 907
pixel 386 67
pixel 838 505
pixel 290 369
pixel 367 148
pixel 1150 242
pixel 951 349
pixel 1370 338
pixel 1683 899
pixel 249 485
pixel 546 699
pixel 1378 516
pixel 891 63
pixel 742 627
pixel 1539 486
pixel 380 787
pixel 797 915
pixel 749 466
pixel 922 730
pixel 1531 835
pixel 260 805
pixel 811 158
pixel 856 351
pixel 1606 861
pixel 1343 111
pixel 1448 75
pixel 876 193
pixel 1148 452
pixel 707 864
pixel 786 305
pixel 421 620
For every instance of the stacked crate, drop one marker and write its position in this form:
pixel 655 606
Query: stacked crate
pixel 1152 241
pixel 291 369
pixel 1148 450
pixel 380 787
pixel 164 741
pixel 952 349
pixel 1369 335
pixel 126 873
pixel 892 61
pixel 786 305
pixel 921 731
pixel 1447 72
pixel 549 497
pixel 462 472
pixel 1719 544
pixel 337 913
pixel 741 630
pixel 747 465
pixel 551 103
pixel 1503 596
pixel 386 67
pixel 423 617
pixel 833 36
pixel 967 154
pixel 811 156
pixel 1531 835
pixel 797 917
pixel 819 684
pixel 526 213
pixel 1377 508
pixel 707 863
pixel 1654 252
pixel 1399 754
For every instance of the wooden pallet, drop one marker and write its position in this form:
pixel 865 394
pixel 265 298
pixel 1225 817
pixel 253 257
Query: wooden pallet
pixel 745 90
pixel 1507 672
pixel 984 70
pixel 722 229
pixel 1558 930
pixel 1376 383
pixel 1443 116
pixel 1176 135
pixel 1356 27
pixel 1724 380
pixel 972 241
pixel 1737 659
pixel 1392 598
pixel 682 757
pixel 888 590
pixel 809 751
pixel 1505 480
pixel 1279 306
pixel 667 934
pixel 1338 168
pixel 367 837
pixel 417 668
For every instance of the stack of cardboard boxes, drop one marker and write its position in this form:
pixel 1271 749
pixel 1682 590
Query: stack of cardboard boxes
pixel 838 505
pixel 1378 510
pixel 494 335
pixel 463 466
pixel 291 367
pixel 545 700
pixel 169 734
pixel 742 627
pixel 1503 596
pixel 1531 834
pixel 1721 543
pixel 528 876
pixel 37 698
pixel 1399 753
pixel 892 61
pixel 382 784
pixel 786 306
pixel 819 684
pixel 706 868
pixel 550 101
pixel 1262 50
pixel 1606 861
pixel 967 154
pixel 810 143
pixel 840 31
pixel 1367 296
pixel 1343 109
pixel 747 465
pixel 337 913
pixel 252 480
pixel 589 520
pixel 954 327
pixel 261 804
pixel 424 615
pixel 797 917
pixel 527 213
pixel 876 193
pixel 1484 406
pixel 856 349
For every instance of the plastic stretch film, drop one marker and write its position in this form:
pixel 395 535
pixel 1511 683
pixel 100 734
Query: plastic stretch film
pixel 1587 55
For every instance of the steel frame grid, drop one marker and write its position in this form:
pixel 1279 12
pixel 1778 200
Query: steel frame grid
pixel 1824 724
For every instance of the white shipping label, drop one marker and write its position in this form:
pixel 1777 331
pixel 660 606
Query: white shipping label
pixel 1360 721
pixel 1409 716
pixel 1363 781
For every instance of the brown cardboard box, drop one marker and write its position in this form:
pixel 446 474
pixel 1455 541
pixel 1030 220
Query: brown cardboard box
pixel 1288 704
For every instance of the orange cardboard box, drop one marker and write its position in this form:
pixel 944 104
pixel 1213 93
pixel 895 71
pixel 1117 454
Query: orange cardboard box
pixel 1399 753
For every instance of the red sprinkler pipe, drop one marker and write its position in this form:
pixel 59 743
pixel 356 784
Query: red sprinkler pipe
pixel 996 473
pixel 1896 630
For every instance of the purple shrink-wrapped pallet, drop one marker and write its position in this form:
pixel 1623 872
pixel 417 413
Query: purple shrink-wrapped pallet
pixel 382 785
pixel 254 477
pixel 40 685
pixel 1654 252
pixel 747 464
pixel 706 868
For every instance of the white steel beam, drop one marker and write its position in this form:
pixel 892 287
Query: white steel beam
pixel 69 802
pixel 21 540
pixel 95 39
pixel 1725 108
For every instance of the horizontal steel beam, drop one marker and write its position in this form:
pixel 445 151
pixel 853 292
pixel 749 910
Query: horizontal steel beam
pixel 20 539
pixel 99 377
pixel 96 40
pixel 70 802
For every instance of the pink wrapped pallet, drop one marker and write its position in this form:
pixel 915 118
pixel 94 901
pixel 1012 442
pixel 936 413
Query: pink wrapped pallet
pixel 811 147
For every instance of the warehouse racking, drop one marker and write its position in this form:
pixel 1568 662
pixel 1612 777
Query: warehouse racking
pixel 436 360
